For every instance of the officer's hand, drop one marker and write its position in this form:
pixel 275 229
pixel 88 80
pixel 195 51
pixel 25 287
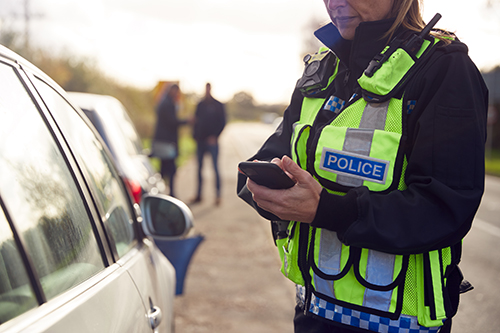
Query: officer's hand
pixel 298 203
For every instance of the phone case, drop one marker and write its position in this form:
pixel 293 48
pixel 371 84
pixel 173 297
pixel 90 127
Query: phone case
pixel 266 174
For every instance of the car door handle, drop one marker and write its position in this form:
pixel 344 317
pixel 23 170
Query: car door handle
pixel 154 316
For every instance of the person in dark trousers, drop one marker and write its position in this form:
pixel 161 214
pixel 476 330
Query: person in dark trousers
pixel 208 123
pixel 165 141
pixel 385 138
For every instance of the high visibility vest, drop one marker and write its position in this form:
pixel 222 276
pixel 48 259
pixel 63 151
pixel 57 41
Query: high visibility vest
pixel 362 287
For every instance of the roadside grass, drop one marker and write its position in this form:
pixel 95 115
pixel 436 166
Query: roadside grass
pixel 492 164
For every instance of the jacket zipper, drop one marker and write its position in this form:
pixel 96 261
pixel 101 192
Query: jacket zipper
pixel 347 76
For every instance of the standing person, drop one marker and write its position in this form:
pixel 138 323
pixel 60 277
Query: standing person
pixel 209 121
pixel 384 138
pixel 165 141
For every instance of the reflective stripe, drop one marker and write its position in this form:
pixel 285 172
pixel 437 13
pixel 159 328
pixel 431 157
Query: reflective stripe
pixel 359 140
pixel 374 115
pixel 330 251
pixel 380 268
pixel 329 261
pixel 285 260
pixel 379 271
pixel 324 286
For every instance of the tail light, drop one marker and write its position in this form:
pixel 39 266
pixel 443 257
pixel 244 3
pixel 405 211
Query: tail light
pixel 135 189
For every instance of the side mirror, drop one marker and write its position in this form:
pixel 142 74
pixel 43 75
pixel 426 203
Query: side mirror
pixel 165 217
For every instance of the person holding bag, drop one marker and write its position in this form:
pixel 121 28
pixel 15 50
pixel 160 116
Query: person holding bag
pixel 165 144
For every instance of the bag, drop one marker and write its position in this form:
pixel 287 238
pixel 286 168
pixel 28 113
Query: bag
pixel 164 150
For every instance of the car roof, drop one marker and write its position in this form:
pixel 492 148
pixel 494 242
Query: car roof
pixel 27 65
pixel 90 101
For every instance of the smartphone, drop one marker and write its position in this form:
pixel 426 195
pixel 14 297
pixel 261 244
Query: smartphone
pixel 267 174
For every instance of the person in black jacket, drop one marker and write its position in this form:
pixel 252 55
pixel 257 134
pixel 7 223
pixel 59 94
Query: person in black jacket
pixel 166 137
pixel 440 153
pixel 209 121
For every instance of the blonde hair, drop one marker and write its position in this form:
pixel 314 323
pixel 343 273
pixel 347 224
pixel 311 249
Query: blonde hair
pixel 409 15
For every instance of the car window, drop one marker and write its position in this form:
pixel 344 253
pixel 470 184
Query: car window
pixel 121 127
pixel 112 198
pixel 40 195
pixel 16 294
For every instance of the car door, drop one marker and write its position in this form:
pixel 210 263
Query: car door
pixel 152 274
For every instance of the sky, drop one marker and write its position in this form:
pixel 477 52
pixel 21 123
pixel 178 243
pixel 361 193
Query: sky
pixel 254 46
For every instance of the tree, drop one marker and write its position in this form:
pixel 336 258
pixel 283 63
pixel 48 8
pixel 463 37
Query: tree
pixel 242 106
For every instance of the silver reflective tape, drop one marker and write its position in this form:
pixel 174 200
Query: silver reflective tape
pixel 330 250
pixel 359 140
pixel 324 287
pixel 380 272
pixel 285 263
pixel 374 115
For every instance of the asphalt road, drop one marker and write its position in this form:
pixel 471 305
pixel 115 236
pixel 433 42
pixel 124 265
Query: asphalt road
pixel 479 310
pixel 234 283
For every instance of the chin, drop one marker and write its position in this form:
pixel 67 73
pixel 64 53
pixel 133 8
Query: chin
pixel 349 35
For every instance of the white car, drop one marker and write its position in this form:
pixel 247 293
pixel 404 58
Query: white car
pixel 111 120
pixel 76 254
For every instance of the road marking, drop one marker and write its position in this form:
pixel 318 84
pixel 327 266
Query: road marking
pixel 487 227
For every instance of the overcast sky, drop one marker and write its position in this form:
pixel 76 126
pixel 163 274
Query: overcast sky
pixel 254 46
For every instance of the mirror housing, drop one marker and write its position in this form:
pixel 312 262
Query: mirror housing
pixel 165 217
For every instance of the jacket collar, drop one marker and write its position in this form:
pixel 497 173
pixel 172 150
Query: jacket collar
pixel 356 54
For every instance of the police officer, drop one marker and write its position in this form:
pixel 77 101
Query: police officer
pixel 384 137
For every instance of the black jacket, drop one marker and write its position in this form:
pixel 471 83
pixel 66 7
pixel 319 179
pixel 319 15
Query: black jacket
pixel 210 119
pixel 167 123
pixel 446 133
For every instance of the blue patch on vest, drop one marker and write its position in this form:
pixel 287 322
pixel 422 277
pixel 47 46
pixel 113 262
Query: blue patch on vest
pixel 354 165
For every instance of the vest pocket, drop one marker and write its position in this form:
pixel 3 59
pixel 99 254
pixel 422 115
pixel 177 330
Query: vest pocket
pixel 348 157
pixel 288 249
pixel 330 259
pixel 380 271
pixel 361 279
pixel 361 147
